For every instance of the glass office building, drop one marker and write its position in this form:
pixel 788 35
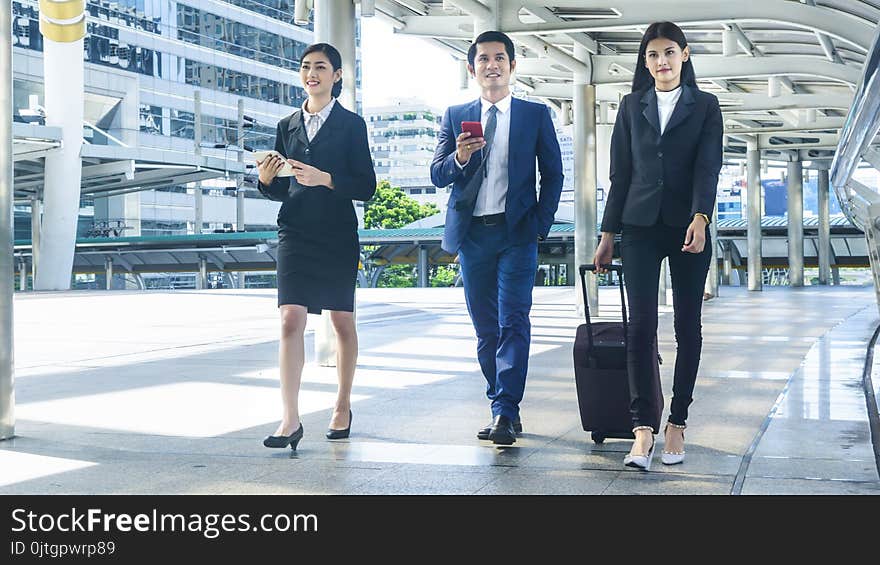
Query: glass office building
pixel 144 60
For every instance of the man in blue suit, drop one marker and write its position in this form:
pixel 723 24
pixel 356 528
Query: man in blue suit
pixel 495 219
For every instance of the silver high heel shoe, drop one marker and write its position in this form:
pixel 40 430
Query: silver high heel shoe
pixel 642 462
pixel 672 457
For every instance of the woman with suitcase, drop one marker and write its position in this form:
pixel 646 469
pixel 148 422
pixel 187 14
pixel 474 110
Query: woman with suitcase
pixel 665 159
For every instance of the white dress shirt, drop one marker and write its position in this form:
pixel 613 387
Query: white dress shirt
pixel 493 192
pixel 313 122
pixel 666 102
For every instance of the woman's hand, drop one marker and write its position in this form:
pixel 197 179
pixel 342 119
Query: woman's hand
pixel 308 175
pixel 604 252
pixel 695 238
pixel 269 168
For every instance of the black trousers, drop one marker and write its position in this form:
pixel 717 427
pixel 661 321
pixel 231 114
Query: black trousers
pixel 642 249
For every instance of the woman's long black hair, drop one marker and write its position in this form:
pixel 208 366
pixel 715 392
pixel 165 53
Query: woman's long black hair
pixel 335 61
pixel 667 30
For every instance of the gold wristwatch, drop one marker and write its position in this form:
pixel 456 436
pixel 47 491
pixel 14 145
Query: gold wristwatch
pixel 704 216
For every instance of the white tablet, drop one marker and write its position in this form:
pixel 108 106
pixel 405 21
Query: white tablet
pixel 286 170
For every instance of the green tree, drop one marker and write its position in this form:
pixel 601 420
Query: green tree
pixel 443 275
pixel 391 208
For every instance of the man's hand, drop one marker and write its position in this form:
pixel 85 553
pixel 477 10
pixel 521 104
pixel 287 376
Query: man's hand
pixel 466 146
pixel 308 175
pixel 695 238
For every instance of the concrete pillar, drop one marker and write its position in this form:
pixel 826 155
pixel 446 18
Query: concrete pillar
pixel 63 26
pixel 335 24
pixel 796 223
pixel 239 179
pixel 835 275
pixel 7 236
pixel 108 270
pixel 754 215
pixel 240 280
pixel 423 266
pixel 584 106
pixel 824 227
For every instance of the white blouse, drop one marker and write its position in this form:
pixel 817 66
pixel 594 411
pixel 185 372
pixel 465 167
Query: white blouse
pixel 666 104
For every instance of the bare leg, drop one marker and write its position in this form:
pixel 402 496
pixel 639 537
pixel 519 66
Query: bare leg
pixel 346 360
pixel 291 357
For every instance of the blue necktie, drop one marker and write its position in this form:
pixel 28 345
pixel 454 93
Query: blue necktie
pixel 469 195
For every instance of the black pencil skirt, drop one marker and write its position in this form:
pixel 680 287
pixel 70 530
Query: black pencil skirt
pixel 317 270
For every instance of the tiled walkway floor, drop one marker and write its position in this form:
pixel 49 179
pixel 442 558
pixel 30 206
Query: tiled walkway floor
pixel 172 392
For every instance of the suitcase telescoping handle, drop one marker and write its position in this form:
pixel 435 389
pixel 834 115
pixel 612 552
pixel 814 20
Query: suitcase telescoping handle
pixel 614 269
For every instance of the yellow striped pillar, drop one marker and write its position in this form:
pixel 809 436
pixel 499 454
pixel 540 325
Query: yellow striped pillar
pixel 63 25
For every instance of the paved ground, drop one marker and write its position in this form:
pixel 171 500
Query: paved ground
pixel 172 392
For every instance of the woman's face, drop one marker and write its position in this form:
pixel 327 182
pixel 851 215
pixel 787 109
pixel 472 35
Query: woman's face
pixel 664 59
pixel 317 74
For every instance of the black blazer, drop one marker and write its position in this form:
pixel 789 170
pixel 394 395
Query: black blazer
pixel 669 177
pixel 339 148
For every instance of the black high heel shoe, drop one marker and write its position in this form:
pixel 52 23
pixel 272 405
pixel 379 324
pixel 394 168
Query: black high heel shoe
pixel 340 434
pixel 283 441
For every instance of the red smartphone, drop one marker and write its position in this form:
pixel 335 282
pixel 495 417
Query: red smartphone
pixel 474 128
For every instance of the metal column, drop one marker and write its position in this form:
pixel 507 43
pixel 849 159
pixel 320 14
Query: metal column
pixel 584 106
pixel 824 227
pixel 754 215
pixel 108 270
pixel 7 365
pixel 712 279
pixel 22 276
pixel 239 178
pixel 661 286
pixel 423 266
pixel 796 223
pixel 202 275
pixel 36 232
pixel 727 264
pixel 197 139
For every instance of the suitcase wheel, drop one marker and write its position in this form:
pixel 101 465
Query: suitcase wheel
pixel 598 437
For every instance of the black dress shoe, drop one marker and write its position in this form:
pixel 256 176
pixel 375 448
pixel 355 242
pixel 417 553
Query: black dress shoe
pixel 340 434
pixel 283 441
pixel 502 431
pixel 484 433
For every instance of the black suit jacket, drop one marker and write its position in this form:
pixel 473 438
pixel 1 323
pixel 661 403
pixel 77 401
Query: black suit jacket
pixel 340 148
pixel 669 177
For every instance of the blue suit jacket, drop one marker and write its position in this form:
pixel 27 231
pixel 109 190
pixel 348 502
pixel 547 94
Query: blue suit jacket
pixel 532 135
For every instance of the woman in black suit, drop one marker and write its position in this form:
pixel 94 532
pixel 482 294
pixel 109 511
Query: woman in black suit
pixel 318 247
pixel 665 159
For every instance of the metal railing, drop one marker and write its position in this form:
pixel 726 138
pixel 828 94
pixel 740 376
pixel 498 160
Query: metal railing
pixel 861 203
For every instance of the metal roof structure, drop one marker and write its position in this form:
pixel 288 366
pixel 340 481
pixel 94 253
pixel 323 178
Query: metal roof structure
pixel 785 71
pixel 110 169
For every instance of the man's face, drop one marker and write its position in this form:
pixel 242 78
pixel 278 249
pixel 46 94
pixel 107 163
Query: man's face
pixel 492 67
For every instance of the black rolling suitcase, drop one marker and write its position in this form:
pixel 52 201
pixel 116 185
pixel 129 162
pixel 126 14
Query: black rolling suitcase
pixel 600 372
